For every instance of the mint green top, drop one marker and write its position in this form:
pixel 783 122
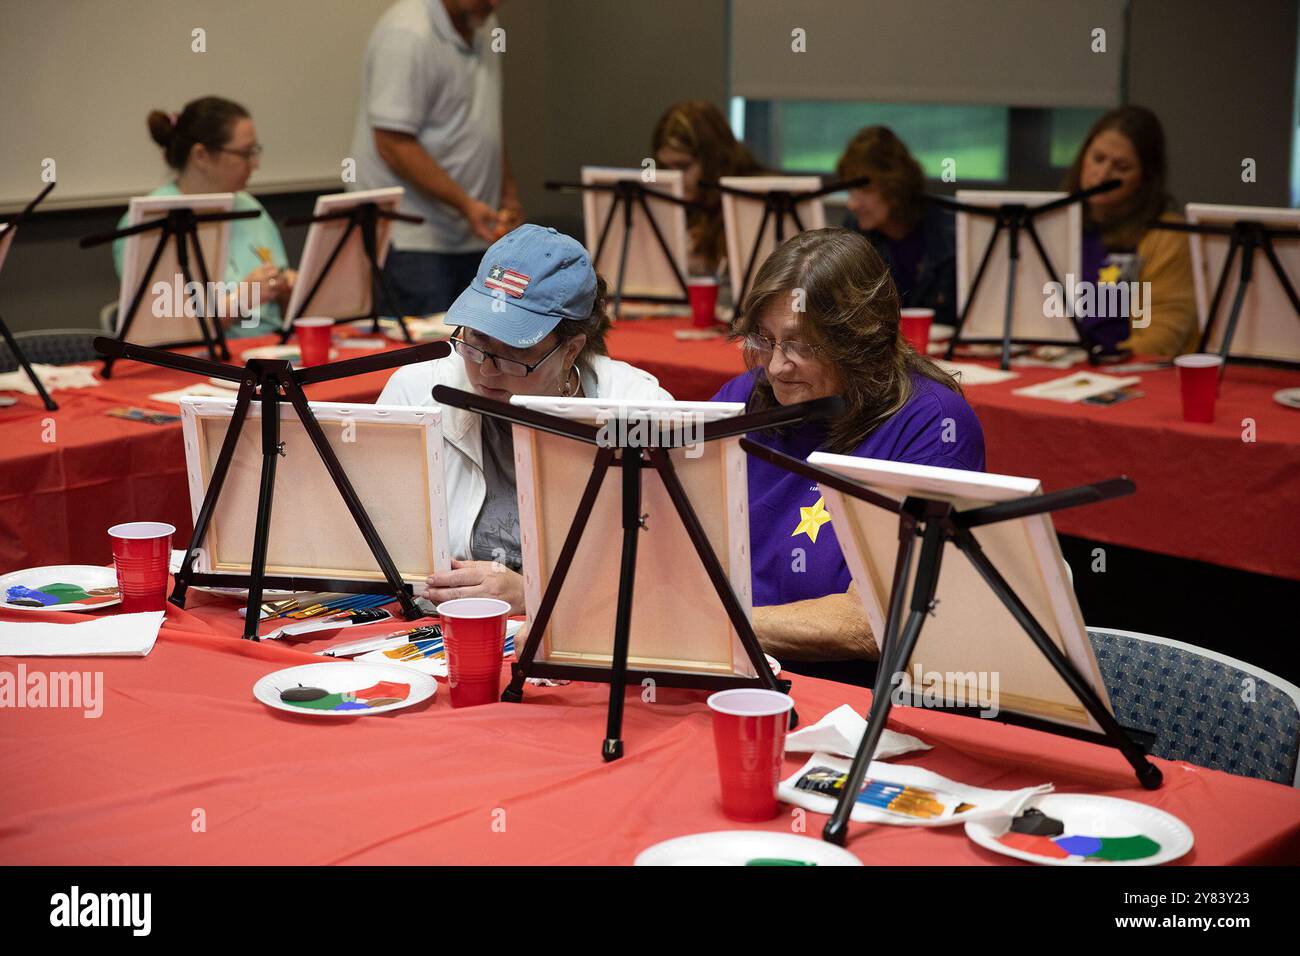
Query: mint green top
pixel 246 235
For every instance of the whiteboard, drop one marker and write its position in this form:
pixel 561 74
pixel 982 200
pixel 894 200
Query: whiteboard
pixel 82 75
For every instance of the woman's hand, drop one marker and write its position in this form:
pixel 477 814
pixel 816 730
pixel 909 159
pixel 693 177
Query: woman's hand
pixel 270 285
pixel 480 579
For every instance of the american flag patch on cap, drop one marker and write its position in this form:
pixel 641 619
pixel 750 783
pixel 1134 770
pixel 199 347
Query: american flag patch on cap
pixel 506 280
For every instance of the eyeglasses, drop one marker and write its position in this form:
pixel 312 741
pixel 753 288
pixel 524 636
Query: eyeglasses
pixel 247 153
pixel 505 366
pixel 763 347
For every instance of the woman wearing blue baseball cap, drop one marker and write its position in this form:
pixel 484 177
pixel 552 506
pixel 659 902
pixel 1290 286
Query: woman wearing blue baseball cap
pixel 533 322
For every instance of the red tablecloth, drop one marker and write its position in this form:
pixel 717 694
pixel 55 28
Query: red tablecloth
pixel 182 741
pixel 68 476
pixel 1203 492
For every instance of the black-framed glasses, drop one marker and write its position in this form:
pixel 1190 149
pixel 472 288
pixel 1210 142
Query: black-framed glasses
pixel 247 153
pixel 795 351
pixel 505 366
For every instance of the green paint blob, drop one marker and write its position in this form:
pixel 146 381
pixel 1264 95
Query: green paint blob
pixel 1126 848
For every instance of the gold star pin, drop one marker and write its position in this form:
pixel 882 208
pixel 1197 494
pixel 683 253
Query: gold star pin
pixel 1108 275
pixel 812 519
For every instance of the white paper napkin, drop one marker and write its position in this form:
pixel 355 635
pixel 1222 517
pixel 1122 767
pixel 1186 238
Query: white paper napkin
pixel 1077 387
pixel 53 377
pixel 985 804
pixel 120 635
pixel 840 732
pixel 972 373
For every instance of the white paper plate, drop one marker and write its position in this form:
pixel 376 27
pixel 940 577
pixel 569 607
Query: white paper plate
pixel 1290 397
pixel 1088 816
pixel 342 676
pixel 773 663
pixel 429 328
pixel 940 332
pixel 739 847
pixel 83 575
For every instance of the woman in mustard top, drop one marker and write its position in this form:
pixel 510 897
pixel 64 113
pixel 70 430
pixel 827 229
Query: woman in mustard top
pixel 1119 245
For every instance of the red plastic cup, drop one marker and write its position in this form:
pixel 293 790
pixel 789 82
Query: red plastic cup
pixel 749 730
pixel 703 294
pixel 142 553
pixel 1198 376
pixel 915 326
pixel 474 635
pixel 313 340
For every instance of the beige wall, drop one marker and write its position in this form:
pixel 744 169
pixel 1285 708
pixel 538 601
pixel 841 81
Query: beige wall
pixel 586 79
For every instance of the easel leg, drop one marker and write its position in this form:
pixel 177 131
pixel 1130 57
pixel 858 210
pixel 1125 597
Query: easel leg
pixel 350 498
pixel 228 445
pixel 1243 283
pixel 126 320
pixel 1148 774
pixel 662 462
pixel 622 256
pixel 974 288
pixel 371 245
pixel 1219 288
pixel 27 367
pixel 514 693
pixel 266 493
pixel 753 255
pixel 612 749
pixel 1008 315
pixel 895 654
pixel 217 332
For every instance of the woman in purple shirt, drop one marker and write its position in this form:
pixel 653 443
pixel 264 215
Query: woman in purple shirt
pixel 822 319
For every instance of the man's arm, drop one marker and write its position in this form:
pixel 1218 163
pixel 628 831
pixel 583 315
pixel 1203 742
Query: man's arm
pixel 405 156
pixel 512 210
pixel 830 628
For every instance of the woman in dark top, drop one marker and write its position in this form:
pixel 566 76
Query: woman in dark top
pixel 916 239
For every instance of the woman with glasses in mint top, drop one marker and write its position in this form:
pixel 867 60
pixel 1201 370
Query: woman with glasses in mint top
pixel 212 147
pixel 821 320
pixel 533 322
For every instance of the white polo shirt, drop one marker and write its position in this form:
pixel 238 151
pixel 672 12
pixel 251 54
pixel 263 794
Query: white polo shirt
pixel 420 77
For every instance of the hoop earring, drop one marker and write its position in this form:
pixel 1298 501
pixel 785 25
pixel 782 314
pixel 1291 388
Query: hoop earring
pixel 567 390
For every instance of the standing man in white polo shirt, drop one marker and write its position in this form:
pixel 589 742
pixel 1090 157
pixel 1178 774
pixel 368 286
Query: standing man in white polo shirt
pixel 430 120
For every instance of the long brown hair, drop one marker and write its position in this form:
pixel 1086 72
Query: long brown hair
pixel 698 128
pixel 850 315
pixel 877 152
pixel 595 326
pixel 208 120
pixel 1142 128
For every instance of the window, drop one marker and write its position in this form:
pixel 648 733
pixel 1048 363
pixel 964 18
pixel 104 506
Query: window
pixel 991 145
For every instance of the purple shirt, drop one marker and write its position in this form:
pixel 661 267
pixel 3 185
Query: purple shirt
pixel 935 427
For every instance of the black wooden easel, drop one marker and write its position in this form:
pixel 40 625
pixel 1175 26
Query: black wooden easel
pixel 363 217
pixel 181 228
pixel 623 452
pixel 8 336
pixel 1016 218
pixel 630 194
pixel 263 380
pixel 1245 238
pixel 936 522
pixel 777 205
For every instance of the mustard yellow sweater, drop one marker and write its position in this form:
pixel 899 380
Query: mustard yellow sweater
pixel 1166 262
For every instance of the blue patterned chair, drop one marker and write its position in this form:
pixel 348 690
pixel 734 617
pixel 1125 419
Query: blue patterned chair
pixel 51 347
pixel 1204 708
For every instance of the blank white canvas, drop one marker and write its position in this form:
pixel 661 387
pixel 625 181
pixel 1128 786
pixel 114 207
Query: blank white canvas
pixel 649 272
pixel 160 318
pixel 971 630
pixel 1268 327
pixel 1061 232
pixel 346 291
pixel 742 217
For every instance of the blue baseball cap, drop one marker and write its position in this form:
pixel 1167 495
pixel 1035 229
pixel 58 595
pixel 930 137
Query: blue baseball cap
pixel 529 280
